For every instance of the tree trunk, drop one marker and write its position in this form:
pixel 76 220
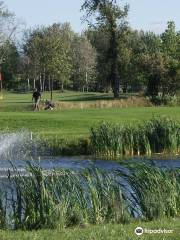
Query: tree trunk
pixel 34 83
pixel 1 87
pixel 115 80
pixel 113 51
pixel 62 87
pixel 40 82
pixel 1 79
pixel 51 81
pixel 87 88
pixel 44 79
pixel 28 85
pixel 43 82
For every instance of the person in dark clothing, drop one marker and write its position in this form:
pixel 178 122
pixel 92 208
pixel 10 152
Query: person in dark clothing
pixel 36 97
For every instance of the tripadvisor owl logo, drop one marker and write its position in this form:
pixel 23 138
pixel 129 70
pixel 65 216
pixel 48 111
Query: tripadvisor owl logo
pixel 138 231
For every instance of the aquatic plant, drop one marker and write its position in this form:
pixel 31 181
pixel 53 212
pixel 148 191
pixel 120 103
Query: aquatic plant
pixel 158 135
pixel 155 190
pixel 62 198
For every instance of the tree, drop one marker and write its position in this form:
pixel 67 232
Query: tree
pixel 7 29
pixel 170 40
pixel 108 15
pixel 32 52
pixel 84 63
pixel 48 51
pixel 60 38
pixel 99 40
pixel 10 66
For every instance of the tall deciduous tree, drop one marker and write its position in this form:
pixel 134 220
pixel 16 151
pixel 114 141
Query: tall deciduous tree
pixel 170 40
pixel 49 54
pixel 108 14
pixel 8 26
pixel 10 66
pixel 84 63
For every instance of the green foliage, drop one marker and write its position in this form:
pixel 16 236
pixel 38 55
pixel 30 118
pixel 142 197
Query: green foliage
pixel 110 56
pixel 170 40
pixel 155 190
pixel 9 67
pixel 84 64
pixel 7 28
pixel 62 198
pixel 48 50
pixel 109 17
pixel 157 135
pixel 166 99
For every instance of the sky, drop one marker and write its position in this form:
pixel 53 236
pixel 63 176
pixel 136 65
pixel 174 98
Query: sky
pixel 149 15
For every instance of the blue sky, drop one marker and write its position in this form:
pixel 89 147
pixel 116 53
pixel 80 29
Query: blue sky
pixel 144 14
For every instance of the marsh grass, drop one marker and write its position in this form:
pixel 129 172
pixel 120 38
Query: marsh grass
pixel 63 198
pixel 155 190
pixel 158 135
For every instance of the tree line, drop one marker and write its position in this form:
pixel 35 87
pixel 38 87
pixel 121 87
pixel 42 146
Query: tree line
pixel 108 56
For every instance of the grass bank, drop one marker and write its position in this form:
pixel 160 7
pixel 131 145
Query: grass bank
pixel 75 123
pixel 67 131
pixel 103 232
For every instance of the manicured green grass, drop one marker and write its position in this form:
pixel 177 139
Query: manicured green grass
pixel 104 232
pixel 15 114
pixel 59 96
pixel 75 123
pixel 14 102
pixel 9 97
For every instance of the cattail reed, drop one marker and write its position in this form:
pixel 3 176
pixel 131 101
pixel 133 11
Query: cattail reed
pixel 158 135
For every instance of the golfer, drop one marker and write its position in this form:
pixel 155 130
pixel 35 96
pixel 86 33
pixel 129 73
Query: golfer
pixel 36 97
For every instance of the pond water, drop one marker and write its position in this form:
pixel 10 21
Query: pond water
pixel 18 148
pixel 80 163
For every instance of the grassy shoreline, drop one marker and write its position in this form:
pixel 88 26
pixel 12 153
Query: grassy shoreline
pixel 103 232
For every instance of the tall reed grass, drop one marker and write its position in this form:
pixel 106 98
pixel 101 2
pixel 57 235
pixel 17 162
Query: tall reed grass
pixel 158 135
pixel 61 198
pixel 155 190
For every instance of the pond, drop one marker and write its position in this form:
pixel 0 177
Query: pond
pixel 85 180
pixel 80 163
pixel 18 148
